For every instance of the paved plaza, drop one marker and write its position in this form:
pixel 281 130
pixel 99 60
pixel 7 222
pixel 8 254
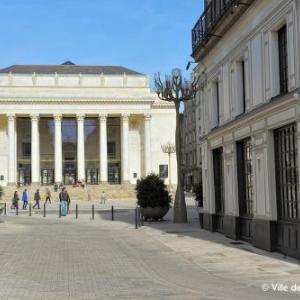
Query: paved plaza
pixel 67 258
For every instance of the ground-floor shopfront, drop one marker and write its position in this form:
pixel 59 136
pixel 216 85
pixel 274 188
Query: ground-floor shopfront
pixel 251 180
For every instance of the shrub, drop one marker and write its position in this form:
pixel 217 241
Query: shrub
pixel 152 191
pixel 198 190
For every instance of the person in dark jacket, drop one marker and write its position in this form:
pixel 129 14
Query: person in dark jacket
pixel 15 200
pixel 48 196
pixel 37 199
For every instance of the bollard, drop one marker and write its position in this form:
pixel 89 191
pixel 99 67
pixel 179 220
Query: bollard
pixel 136 218
pixel 5 208
pixel 112 213
pixel 29 209
pixel 76 211
pixel 59 212
pixel 93 212
pixel 44 210
pixel 17 210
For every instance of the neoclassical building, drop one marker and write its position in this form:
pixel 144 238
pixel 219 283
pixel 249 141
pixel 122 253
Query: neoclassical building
pixel 68 123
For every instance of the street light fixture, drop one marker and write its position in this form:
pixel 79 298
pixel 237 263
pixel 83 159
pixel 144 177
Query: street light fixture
pixel 169 148
pixel 176 89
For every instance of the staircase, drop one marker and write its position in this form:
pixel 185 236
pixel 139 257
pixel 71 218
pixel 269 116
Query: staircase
pixel 122 191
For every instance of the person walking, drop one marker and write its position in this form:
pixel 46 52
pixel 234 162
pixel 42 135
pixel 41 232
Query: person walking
pixel 15 199
pixel 37 199
pixel 25 199
pixel 48 196
pixel 64 201
pixel 103 197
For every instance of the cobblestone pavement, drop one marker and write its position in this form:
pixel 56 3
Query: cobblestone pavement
pixel 64 258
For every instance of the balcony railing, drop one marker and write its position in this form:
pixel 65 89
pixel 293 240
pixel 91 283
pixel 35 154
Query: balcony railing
pixel 213 13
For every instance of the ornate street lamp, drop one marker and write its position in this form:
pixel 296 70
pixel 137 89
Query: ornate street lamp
pixel 176 89
pixel 169 148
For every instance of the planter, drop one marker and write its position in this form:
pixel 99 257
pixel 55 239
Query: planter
pixel 155 213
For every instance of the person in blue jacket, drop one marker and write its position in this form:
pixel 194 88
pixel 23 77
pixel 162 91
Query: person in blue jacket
pixel 25 199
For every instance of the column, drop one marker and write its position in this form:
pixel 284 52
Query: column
pixel 35 149
pixel 147 144
pixel 11 149
pixel 58 148
pixel 80 148
pixel 124 148
pixel 103 147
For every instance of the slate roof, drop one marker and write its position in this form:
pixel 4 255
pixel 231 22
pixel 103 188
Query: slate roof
pixel 68 68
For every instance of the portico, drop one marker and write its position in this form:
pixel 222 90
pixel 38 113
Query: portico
pixel 71 123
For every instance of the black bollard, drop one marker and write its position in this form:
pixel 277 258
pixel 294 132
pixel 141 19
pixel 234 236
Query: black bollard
pixel 76 211
pixel 5 208
pixel 59 212
pixel 93 212
pixel 17 210
pixel 29 209
pixel 136 218
pixel 44 210
pixel 112 213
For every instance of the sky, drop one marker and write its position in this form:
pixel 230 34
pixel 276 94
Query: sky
pixel 148 36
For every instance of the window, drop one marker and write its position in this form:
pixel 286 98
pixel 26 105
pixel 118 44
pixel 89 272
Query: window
pixel 286 163
pixel 216 103
pixel 163 171
pixel 245 177
pixel 243 86
pixel 283 62
pixel 111 149
pixel 26 149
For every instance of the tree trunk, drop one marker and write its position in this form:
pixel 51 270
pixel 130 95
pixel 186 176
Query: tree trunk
pixel 180 215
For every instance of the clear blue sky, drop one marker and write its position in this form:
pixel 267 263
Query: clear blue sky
pixel 145 35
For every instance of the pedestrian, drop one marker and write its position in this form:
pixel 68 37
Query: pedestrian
pixel 15 199
pixel 64 202
pixel 25 199
pixel 103 197
pixel 37 199
pixel 89 195
pixel 48 196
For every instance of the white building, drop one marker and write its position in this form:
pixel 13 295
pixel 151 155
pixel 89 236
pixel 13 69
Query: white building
pixel 248 53
pixel 68 123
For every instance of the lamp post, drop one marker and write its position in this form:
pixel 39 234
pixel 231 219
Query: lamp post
pixel 176 89
pixel 169 148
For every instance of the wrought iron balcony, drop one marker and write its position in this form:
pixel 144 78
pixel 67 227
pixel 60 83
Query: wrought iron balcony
pixel 216 13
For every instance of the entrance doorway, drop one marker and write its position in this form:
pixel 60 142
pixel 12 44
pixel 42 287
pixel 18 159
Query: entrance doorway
pixel 47 176
pixel 24 175
pixel 91 176
pixel 114 173
pixel 70 174
pixel 287 188
pixel 219 188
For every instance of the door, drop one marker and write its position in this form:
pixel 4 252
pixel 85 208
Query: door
pixel 24 175
pixel 219 188
pixel 114 173
pixel 91 176
pixel 287 187
pixel 245 190
pixel 70 174
pixel 47 176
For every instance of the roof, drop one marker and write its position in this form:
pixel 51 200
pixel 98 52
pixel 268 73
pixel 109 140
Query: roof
pixel 69 68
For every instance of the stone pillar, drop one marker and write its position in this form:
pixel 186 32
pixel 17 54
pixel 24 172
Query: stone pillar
pixel 147 145
pixel 125 148
pixel 103 147
pixel 12 167
pixel 80 148
pixel 35 149
pixel 58 148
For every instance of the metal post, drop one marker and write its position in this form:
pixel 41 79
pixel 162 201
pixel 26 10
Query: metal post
pixel 76 211
pixel 44 210
pixel 136 218
pixel 112 213
pixel 93 212
pixel 29 209
pixel 17 210
pixel 59 213
pixel 5 208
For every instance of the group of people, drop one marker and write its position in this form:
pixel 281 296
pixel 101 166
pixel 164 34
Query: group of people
pixel 37 198
pixel 63 196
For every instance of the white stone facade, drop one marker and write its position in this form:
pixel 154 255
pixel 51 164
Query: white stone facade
pixel 233 109
pixel 145 122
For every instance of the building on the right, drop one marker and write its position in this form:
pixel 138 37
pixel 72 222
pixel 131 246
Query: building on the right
pixel 248 66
